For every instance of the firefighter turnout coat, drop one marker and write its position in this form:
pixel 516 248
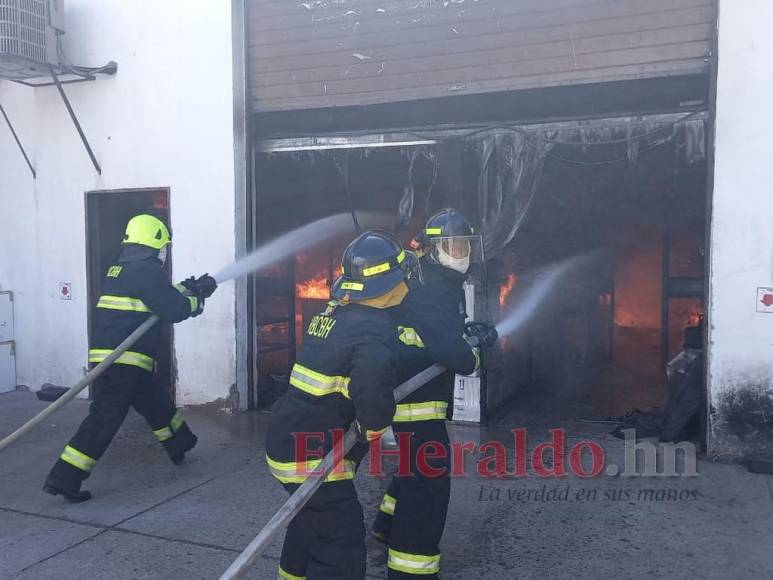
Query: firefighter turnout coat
pixel 346 370
pixel 131 292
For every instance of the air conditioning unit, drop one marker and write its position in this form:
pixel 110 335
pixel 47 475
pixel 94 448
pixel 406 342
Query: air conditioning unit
pixel 28 37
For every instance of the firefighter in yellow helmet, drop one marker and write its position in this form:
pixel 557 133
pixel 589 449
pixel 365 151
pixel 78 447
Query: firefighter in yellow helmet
pixel 134 288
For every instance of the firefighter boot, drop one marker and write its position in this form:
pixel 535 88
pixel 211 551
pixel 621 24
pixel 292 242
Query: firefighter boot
pixel 69 488
pixel 183 441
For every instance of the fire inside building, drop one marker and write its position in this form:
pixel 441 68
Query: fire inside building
pixel 575 135
pixel 626 196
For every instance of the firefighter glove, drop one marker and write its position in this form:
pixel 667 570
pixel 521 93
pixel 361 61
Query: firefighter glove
pixel 480 334
pixel 201 287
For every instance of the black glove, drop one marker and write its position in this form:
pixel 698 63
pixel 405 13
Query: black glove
pixel 481 334
pixel 201 287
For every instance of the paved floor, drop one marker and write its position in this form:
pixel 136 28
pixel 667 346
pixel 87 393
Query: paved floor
pixel 150 519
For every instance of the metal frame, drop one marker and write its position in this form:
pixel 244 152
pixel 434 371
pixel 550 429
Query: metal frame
pixel 707 441
pixel 111 68
pixel 431 135
pixel 75 121
pixel 59 84
pixel 243 204
pixel 18 142
pixel 82 79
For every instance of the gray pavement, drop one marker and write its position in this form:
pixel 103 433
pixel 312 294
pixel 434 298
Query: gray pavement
pixel 150 519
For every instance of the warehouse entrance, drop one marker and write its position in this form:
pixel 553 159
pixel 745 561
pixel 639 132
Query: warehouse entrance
pixel 627 195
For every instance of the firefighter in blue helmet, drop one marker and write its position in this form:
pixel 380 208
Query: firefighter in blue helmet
pixel 134 288
pixel 344 375
pixel 432 330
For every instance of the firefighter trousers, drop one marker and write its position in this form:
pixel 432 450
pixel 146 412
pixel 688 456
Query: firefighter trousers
pixel 121 387
pixel 326 539
pixel 413 512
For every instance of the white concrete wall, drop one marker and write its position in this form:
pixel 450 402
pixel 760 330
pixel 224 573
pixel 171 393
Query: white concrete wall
pixel 741 339
pixel 165 120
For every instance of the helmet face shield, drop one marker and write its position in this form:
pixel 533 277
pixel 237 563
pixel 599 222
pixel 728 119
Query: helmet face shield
pixel 456 248
pixel 457 252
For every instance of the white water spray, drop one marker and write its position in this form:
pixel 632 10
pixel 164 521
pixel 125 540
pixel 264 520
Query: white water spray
pixel 289 244
pixel 541 289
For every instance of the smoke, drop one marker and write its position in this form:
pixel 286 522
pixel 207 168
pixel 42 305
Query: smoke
pixel 542 286
pixel 291 243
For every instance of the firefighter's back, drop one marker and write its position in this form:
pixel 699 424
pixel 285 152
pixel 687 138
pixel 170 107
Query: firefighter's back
pixel 342 341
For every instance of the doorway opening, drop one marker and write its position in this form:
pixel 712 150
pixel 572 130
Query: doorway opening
pixel 107 213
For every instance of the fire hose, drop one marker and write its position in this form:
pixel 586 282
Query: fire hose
pixel 88 378
pixel 303 494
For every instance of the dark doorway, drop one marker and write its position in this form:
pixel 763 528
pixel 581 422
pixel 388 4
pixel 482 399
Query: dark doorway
pixel 107 213
pixel 600 345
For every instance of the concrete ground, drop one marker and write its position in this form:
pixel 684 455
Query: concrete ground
pixel 150 519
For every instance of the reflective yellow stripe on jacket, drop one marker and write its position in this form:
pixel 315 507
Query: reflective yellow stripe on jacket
pixel 411 412
pixel 388 505
pixel 409 336
pixel 136 359
pixel 298 471
pixel 413 563
pixel 124 303
pixel 318 384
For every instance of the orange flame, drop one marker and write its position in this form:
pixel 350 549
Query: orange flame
pixel 318 286
pixel 506 288
pixel 696 316
pixel 314 288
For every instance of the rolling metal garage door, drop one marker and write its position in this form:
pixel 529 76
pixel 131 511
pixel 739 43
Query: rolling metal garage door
pixel 306 54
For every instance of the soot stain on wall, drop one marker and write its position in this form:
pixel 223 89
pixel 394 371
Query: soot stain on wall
pixel 744 417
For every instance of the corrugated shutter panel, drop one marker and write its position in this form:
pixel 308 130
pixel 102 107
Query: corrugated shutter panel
pixel 313 54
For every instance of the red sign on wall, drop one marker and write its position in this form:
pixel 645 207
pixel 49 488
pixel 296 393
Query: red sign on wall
pixel 765 300
pixel 65 291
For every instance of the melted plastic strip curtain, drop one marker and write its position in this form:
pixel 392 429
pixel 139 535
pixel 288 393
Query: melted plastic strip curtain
pixel 510 160
pixel 408 199
pixel 511 165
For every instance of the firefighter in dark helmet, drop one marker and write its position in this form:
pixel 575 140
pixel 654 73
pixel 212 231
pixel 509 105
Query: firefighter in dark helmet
pixel 412 514
pixel 134 288
pixel 344 375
